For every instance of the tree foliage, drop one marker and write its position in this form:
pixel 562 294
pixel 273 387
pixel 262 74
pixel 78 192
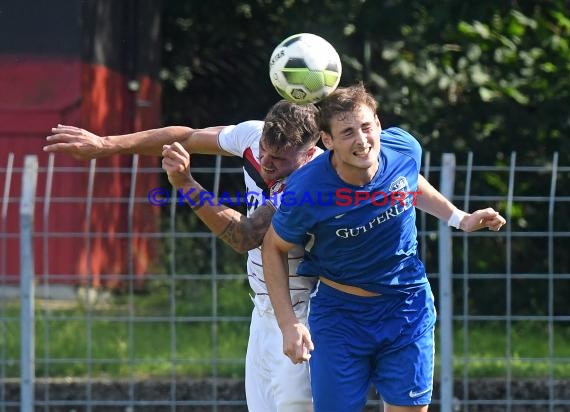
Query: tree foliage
pixel 486 77
pixel 492 76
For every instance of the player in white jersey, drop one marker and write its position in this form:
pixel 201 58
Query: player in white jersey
pixel 271 150
pixel 270 380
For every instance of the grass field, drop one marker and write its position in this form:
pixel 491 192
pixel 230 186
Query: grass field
pixel 116 341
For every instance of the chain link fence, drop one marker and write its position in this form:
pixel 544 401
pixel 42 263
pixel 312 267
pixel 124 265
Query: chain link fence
pixel 116 298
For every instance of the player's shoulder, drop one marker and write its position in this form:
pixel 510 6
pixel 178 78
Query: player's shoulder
pixel 244 129
pixel 397 134
pixel 238 137
pixel 400 140
pixel 251 125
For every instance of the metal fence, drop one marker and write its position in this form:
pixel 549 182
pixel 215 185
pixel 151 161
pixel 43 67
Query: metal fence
pixel 169 307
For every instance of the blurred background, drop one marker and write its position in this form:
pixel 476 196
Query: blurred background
pixel 110 303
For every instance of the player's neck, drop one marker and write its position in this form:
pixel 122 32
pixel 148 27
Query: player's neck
pixel 355 175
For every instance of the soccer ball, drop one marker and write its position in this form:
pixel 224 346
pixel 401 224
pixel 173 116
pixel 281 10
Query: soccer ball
pixel 304 68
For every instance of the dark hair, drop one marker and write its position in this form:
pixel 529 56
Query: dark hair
pixel 344 100
pixel 291 125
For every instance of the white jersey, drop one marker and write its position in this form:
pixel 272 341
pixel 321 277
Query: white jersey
pixel 243 140
pixel 272 382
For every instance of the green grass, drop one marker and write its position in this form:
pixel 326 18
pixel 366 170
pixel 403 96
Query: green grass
pixel 119 348
pixel 67 337
pixel 489 352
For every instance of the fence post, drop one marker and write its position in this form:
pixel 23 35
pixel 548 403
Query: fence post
pixel 27 318
pixel 445 312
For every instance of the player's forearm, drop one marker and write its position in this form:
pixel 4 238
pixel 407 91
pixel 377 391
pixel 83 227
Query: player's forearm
pixel 275 271
pixel 244 233
pixel 240 232
pixel 147 142
pixel 431 201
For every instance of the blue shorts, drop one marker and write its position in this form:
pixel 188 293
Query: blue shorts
pixel 386 340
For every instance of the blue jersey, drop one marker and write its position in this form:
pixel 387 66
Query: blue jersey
pixel 362 236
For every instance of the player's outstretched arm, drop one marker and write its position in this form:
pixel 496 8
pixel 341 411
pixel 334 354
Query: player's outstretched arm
pixel 82 144
pixel 431 201
pixel 297 342
pixel 241 232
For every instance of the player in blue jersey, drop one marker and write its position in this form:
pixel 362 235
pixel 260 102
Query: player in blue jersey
pixel 372 315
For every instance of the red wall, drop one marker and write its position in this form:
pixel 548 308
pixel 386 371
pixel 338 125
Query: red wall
pixel 36 93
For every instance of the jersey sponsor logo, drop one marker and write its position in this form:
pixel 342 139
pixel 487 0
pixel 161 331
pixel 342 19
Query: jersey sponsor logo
pixel 402 200
pixel 390 213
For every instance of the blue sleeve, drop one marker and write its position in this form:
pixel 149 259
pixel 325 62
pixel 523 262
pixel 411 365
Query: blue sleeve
pixel 292 220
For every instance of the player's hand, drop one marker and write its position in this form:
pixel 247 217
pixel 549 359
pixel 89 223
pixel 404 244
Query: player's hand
pixel 75 141
pixel 483 218
pixel 297 343
pixel 176 163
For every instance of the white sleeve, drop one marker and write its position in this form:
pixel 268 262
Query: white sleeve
pixel 236 139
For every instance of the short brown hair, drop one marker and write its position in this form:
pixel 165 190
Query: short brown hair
pixel 291 125
pixel 344 100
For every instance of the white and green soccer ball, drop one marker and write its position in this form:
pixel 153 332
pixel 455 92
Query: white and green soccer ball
pixel 305 68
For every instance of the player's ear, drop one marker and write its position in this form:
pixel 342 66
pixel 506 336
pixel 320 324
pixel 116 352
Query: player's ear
pixel 311 151
pixel 327 140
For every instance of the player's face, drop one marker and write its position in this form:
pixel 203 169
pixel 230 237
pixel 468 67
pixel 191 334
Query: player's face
pixel 276 164
pixel 355 141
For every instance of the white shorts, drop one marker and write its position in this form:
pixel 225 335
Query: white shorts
pixel 272 382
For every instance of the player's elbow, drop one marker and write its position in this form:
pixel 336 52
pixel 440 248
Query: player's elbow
pixel 180 134
pixel 245 247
